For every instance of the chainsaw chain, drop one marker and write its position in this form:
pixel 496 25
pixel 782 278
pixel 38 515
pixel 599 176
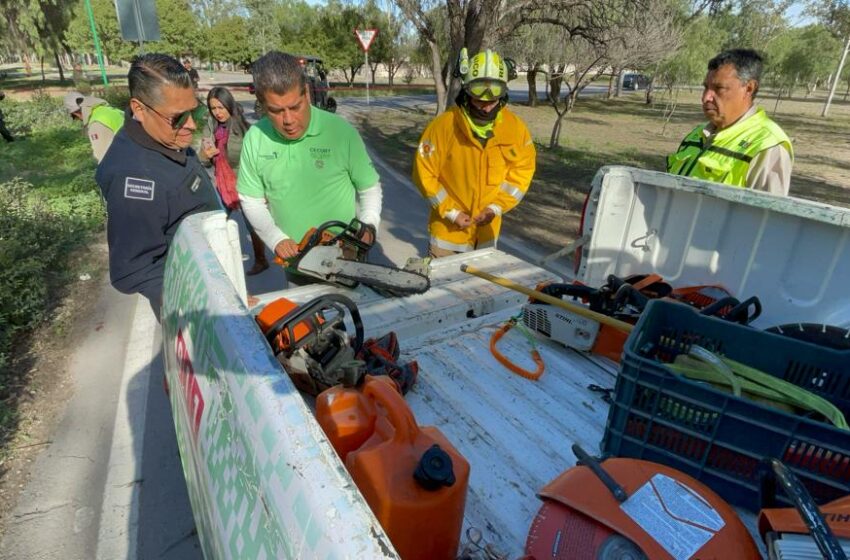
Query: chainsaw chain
pixel 391 289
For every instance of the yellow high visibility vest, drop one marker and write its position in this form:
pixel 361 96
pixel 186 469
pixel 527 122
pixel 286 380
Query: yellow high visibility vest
pixel 727 159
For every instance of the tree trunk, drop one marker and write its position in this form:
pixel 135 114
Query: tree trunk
pixel 846 93
pixel 436 69
pixel 531 78
pixel 555 138
pixel 555 87
pixel 649 91
pixel 611 84
pixel 619 88
pixel 778 97
pixel 43 78
pixel 374 70
pixel 59 66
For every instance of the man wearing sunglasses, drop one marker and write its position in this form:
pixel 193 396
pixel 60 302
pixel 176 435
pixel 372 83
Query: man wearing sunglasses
pixel 150 177
pixel 475 161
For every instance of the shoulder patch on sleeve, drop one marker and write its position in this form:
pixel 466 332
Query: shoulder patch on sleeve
pixel 139 189
pixel 426 148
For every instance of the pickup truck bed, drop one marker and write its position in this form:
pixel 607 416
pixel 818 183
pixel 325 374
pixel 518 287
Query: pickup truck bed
pixel 515 433
pixel 263 479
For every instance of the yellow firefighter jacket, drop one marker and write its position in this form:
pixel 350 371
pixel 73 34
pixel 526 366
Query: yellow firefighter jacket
pixel 454 172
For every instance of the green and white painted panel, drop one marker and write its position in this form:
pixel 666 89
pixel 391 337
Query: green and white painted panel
pixel 263 480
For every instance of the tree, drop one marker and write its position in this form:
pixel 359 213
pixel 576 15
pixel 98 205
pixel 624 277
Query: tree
pixel 392 46
pixel 39 26
pixel 802 56
pixel 531 46
pixel 702 39
pixel 423 14
pixel 595 33
pixel 79 38
pixel 179 30
pixel 337 41
pixel 230 41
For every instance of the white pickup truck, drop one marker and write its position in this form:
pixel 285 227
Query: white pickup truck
pixel 264 481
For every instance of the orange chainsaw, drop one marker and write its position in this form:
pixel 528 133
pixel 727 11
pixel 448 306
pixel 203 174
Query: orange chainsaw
pixel 336 252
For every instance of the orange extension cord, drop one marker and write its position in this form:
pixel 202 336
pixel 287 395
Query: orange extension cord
pixel 535 355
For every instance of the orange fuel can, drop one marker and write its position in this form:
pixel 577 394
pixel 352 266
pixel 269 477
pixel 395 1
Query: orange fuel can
pixel 347 416
pixel 413 478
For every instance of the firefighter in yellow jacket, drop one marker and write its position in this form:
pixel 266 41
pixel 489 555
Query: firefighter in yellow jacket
pixel 475 161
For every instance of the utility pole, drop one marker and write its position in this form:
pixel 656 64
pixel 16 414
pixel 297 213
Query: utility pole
pixel 837 77
pixel 96 43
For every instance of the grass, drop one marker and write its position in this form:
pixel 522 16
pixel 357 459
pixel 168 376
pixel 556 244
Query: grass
pixel 49 208
pixel 626 131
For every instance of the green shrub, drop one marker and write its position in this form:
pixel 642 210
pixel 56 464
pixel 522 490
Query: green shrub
pixel 116 96
pixel 36 235
pixel 49 205
pixel 41 113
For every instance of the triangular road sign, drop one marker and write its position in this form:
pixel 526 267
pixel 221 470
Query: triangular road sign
pixel 365 36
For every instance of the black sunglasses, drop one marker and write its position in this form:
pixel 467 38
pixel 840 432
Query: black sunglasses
pixel 198 115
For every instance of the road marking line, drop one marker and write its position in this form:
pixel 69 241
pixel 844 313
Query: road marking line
pixel 119 516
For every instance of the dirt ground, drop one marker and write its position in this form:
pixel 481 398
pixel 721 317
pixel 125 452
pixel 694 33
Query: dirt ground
pixel 626 131
pixel 43 384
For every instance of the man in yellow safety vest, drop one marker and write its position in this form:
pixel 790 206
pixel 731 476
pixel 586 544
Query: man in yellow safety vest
pixel 100 120
pixel 740 145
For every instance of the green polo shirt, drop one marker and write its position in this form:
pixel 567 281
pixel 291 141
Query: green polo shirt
pixel 307 181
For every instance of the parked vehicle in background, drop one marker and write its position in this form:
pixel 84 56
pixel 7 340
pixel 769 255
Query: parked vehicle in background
pixel 635 81
pixel 317 81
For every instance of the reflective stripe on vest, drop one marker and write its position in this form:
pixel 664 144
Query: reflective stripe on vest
pixel 110 117
pixel 727 159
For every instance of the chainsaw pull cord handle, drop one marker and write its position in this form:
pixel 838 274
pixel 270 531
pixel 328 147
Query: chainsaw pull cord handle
pixel 535 355
pixel 822 534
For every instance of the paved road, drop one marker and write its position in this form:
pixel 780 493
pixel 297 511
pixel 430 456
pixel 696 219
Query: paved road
pixel 110 485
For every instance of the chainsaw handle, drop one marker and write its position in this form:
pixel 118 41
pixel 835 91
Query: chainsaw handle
pixel 560 290
pixel 309 313
pixel 595 467
pixel 822 534
pixel 741 312
pixel 718 305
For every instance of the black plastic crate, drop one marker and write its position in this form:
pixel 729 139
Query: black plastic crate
pixel 712 435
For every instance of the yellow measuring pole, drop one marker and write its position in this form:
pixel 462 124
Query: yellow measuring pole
pixel 536 294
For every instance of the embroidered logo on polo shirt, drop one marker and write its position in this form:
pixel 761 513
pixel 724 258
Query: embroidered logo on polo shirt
pixel 272 155
pixel 319 164
pixel 320 153
pixel 139 189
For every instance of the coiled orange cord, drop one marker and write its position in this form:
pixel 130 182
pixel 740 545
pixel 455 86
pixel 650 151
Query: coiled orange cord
pixel 535 355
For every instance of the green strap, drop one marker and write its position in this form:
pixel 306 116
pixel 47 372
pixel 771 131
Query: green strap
pixel 761 385
pixel 518 325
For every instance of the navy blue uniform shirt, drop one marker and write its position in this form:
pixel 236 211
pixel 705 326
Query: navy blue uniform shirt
pixel 148 190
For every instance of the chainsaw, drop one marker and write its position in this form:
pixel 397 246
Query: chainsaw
pixel 340 258
pixel 311 341
pixel 623 299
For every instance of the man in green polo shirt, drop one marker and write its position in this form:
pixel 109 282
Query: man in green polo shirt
pixel 301 166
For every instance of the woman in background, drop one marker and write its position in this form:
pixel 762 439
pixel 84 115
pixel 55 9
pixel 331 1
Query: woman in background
pixel 221 145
